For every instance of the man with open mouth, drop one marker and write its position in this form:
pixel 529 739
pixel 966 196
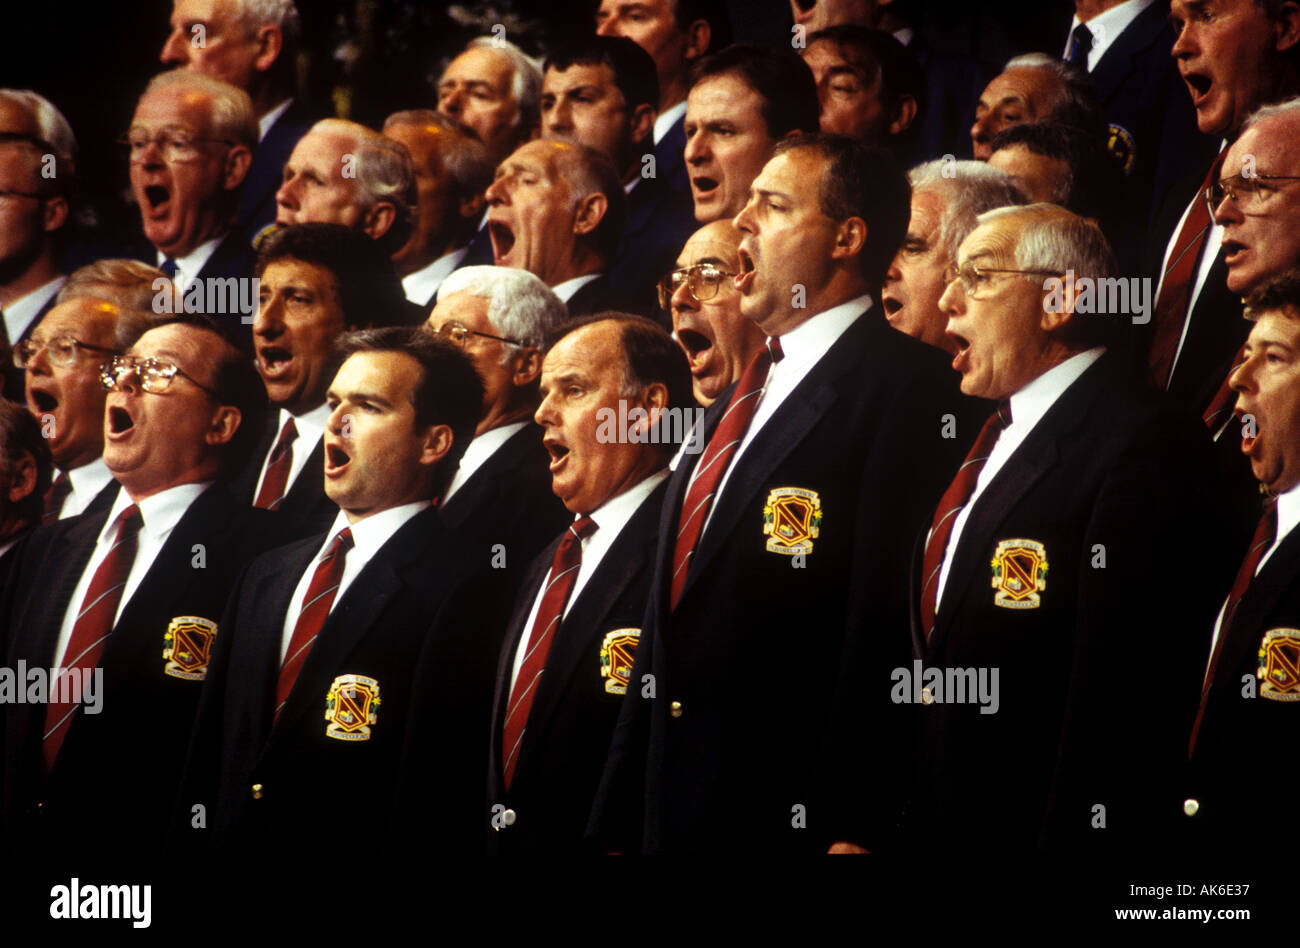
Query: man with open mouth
pixel 189 148
pixel 131 596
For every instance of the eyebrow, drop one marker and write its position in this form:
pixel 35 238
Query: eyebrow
pixel 566 377
pixel 360 396
pixel 767 193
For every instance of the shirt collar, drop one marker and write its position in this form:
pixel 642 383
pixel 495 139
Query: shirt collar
pixel 270 118
pixel 1032 402
pixel 613 514
pixel 91 477
pixel 370 533
pixel 424 282
pixel 160 512
pixel 189 266
pixel 667 119
pixel 310 424
pixel 1106 27
pixel 486 444
pixel 1288 512
pixel 20 313
pixel 905 35
pixel 814 336
pixel 566 289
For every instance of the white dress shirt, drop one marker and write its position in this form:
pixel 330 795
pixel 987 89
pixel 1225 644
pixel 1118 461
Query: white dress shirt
pixel 1105 29
pixel 420 286
pixel 87 481
pixel 160 514
pixel 1028 406
pixel 667 119
pixel 311 428
pixel 480 448
pixel 270 118
pixel 610 518
pixel 20 313
pixel 566 289
pixel 801 348
pixel 188 266
pixel 368 536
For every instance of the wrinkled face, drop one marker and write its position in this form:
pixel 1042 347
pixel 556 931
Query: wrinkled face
pixel 583 105
pixel 1041 178
pixel 156 441
pixel 68 400
pixel 1014 97
pixel 298 318
pixel 181 202
pixel 532 211
pixel 477 88
pixel 1260 236
pixel 727 145
pixel 1267 384
pixel 376 457
pixel 1227 53
pixel 316 187
pixel 206 36
pixel 998 337
pixel 719 341
pixel 649 24
pixel 816 15
pixel 437 212
pixel 850 103
pixel 583 374
pixel 787 242
pixel 22 219
pixel 914 281
pixel 472 313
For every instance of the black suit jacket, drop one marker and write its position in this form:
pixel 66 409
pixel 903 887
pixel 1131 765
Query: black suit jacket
pixel 1244 764
pixel 305 501
pixel 233 259
pixel 117 770
pixel 735 749
pixel 670 160
pixel 257 202
pixel 1105 485
pixel 573 715
pixel 600 295
pixel 508 501
pixel 659 222
pixel 14 378
pixel 401 624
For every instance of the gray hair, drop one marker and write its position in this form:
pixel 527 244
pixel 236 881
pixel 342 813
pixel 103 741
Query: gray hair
pixel 52 126
pixel 1287 107
pixel 232 112
pixel 520 305
pixel 129 284
pixel 526 75
pixel 254 14
pixel 1074 97
pixel 1057 240
pixel 467 163
pixel 969 189
pixel 385 172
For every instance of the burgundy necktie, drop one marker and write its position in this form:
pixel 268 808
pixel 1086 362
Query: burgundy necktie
pixel 315 609
pixel 276 480
pixel 954 499
pixel 91 629
pixel 55 496
pixel 1225 398
pixel 563 574
pixel 1179 278
pixel 1265 535
pixel 716 459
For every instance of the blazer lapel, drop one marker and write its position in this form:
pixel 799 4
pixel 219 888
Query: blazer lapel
pixel 1117 62
pixel 1278 575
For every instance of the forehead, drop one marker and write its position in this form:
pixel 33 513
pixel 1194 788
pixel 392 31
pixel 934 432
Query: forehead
pixel 83 318
pixel 324 146
pixel 292 271
pixel 1275 143
pixel 996 239
pixel 481 65
pixel 726 96
pixel 796 173
pixel 824 55
pixel 579 74
pixel 460 307
pixel 1277 326
pixel 717 242
pixel 539 157
pixel 656 8
pixel 594 350
pixel 187 345
pixel 927 208
pixel 426 143
pixel 210 11
pixel 173 105
pixel 388 374
pixel 1029 85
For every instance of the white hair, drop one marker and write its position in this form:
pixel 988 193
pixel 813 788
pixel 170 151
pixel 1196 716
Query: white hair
pixel 1057 240
pixel 969 189
pixel 254 14
pixel 385 172
pixel 526 74
pixel 232 112
pixel 1287 107
pixel 51 126
pixel 520 305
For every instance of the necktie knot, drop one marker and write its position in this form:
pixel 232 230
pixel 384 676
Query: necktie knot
pixel 288 434
pixel 774 349
pixel 1004 413
pixel 129 521
pixel 55 497
pixel 583 527
pixel 342 543
pixel 169 268
pixel 1080 44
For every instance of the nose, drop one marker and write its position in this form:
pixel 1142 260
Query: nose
pixel 560 118
pixel 1226 211
pixel 953 300
pixel 1239 379
pixel 545 415
pixel 981 133
pixel 696 150
pixel 1183 46
pixel 744 221
pixel 893 274
pixel 683 298
pixel 452 103
pixel 39 363
pixel 496 192
pixel 606 27
pixel 174 51
pixel 269 321
pixel 287 196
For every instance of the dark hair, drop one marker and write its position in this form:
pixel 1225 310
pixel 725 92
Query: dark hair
pixel 1282 292
pixel 20 435
pixel 237 384
pixel 633 68
pixel 713 12
pixel 588 171
pixel 649 356
pixel 879 55
pixel 449 392
pixel 782 80
pixel 370 294
pixel 862 181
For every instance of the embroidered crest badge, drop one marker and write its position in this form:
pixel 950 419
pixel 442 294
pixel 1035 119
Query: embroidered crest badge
pixel 351 707
pixel 1279 665
pixel 792 519
pixel 617 651
pixel 1019 574
pixel 187 647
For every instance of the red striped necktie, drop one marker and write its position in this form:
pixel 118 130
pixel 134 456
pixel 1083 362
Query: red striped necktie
pixel 276 481
pixel 316 605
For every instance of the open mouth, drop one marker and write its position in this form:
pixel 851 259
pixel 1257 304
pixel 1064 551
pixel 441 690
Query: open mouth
pixel 41 402
pixel 962 346
pixel 1231 248
pixel 745 277
pixel 119 421
pixel 156 195
pixel 273 361
pixel 698 348
pixel 892 306
pixel 704 186
pixel 1199 85
pixel 503 239
pixel 335 458
pixel 559 454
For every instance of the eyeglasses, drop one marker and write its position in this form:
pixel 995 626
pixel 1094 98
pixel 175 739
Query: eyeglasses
pixel 460 334
pixel 177 146
pixel 61 350
pixel 155 375
pixel 702 280
pixel 1248 192
pixel 976 279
